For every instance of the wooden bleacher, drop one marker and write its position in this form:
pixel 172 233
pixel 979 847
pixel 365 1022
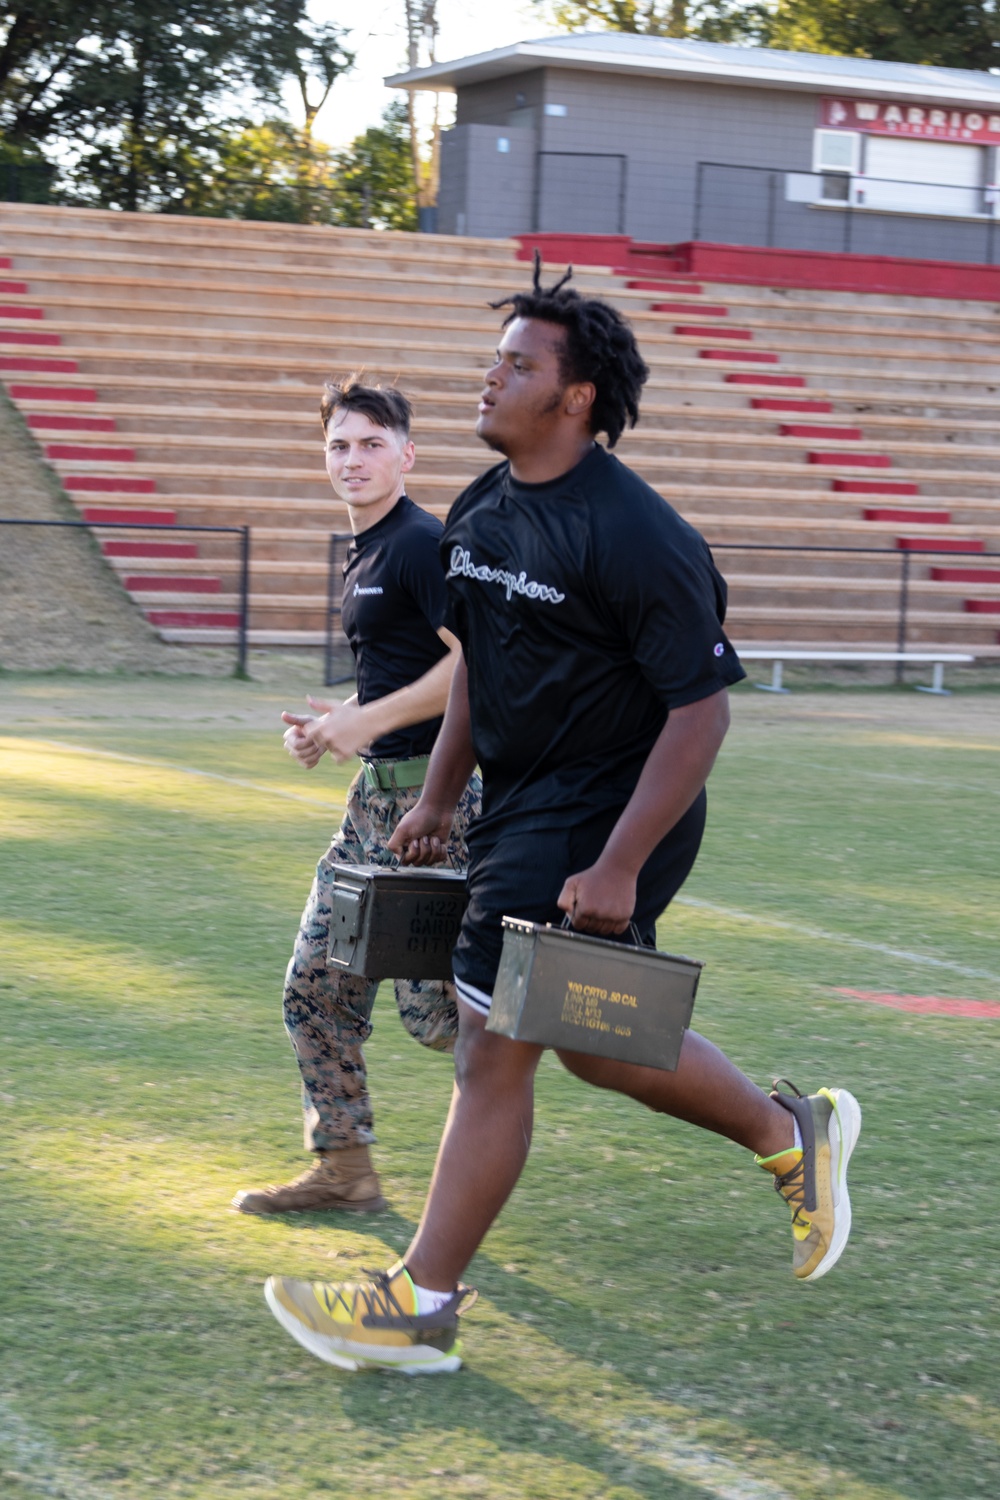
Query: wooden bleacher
pixel 173 366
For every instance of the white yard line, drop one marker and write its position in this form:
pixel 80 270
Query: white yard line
pixel 817 933
pixel 36 1464
pixel 170 765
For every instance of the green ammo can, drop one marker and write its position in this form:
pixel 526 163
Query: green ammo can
pixel 394 924
pixel 567 989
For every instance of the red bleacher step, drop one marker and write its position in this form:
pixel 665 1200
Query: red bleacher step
pixel 938 544
pixel 691 287
pixel 965 575
pixel 88 451
pixel 814 430
pixel 108 484
pixel 679 307
pixel 908 517
pixel 18 310
pixel 99 515
pixel 23 336
pixel 851 460
pixel 981 606
pixel 190 619
pixel 796 382
pixel 748 356
pixel 43 366
pixel 71 424
pixel 5 262
pixel 706 331
pixel 171 583
pixel 776 403
pixel 874 487
pixel 150 549
pixel 14 288
pixel 51 393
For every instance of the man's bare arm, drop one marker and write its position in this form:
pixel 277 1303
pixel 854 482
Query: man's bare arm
pixel 345 728
pixel 421 835
pixel 601 899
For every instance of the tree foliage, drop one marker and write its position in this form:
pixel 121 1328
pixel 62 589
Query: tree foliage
pixel 141 96
pixel 375 187
pixel 942 33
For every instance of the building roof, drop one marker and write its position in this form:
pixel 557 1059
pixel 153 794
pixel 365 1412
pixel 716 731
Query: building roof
pixel 754 67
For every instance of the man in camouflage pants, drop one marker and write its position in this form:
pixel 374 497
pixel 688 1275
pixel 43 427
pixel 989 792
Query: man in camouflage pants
pixel 394 608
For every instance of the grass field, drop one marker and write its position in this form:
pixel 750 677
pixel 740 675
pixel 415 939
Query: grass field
pixel 639 1333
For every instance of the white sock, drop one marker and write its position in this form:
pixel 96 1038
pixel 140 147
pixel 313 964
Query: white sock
pixel 797 1143
pixel 428 1301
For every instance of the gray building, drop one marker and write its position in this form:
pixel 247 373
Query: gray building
pixel 667 141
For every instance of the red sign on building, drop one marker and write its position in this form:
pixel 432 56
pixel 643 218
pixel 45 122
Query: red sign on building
pixel 924 121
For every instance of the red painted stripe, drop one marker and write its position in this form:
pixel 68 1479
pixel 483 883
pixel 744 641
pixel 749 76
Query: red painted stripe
pixel 706 331
pixel 149 583
pixel 749 356
pixel 149 549
pixel 908 517
pixel 791 381
pixel 814 430
pixel 51 393
pixel 665 286
pixel 981 606
pixel 108 484
pixel 679 307
pixel 14 288
pixel 874 487
pixel 96 515
pixel 22 336
pixel 937 544
pixel 774 403
pixel 5 262
pixel 965 575
pixel 45 366
pixel 852 460
pixel 928 1005
pixel 86 451
pixel 18 311
pixel 71 424
pixel 189 619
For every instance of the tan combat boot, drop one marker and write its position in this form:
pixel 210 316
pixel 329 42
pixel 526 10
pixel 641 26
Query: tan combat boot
pixel 337 1179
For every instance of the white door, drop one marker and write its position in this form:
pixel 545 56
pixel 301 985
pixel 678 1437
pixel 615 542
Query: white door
pixel 928 177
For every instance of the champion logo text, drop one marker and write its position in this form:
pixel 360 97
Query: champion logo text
pixel 462 566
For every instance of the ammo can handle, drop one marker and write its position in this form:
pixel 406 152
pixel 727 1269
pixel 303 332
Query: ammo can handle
pixel 567 925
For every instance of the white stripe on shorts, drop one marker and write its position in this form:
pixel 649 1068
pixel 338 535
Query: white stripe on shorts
pixel 478 999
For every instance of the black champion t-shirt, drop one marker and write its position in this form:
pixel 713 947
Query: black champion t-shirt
pixel 395 600
pixel 587 609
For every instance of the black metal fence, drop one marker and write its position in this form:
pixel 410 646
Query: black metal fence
pixel 901 563
pixel 336 559
pixel 243 532
pixel 580 192
pixel 786 208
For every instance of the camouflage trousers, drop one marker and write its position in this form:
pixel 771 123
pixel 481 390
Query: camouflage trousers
pixel 328 1014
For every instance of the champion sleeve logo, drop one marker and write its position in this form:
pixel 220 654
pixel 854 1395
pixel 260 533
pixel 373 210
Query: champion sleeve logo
pixel 462 566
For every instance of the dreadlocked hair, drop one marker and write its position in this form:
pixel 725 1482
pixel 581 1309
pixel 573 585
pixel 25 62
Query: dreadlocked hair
pixel 599 347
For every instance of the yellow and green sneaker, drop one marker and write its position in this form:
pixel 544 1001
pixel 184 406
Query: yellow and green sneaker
pixel 813 1181
pixel 370 1325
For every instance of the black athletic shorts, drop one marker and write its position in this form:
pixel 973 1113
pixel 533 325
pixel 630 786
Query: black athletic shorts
pixel 520 874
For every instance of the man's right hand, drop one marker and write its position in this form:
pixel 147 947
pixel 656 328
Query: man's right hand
pixel 421 836
pixel 297 742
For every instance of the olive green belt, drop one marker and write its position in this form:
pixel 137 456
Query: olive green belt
pixel 395 775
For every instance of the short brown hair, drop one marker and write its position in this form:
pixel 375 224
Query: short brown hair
pixel 383 405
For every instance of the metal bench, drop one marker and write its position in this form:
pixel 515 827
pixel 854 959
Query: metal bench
pixel 778 656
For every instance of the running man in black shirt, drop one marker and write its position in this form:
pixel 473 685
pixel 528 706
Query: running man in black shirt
pixel 394 609
pixel 593 694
